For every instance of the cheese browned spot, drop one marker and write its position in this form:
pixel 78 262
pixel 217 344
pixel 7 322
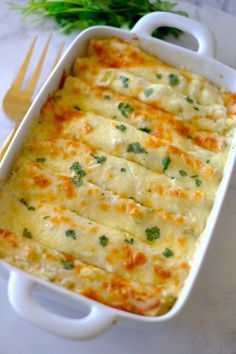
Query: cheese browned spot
pixel 111 194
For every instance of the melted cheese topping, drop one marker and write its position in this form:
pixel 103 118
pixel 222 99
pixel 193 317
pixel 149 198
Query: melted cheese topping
pixel 111 194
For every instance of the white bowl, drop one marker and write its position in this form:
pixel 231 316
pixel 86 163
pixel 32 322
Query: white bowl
pixel 101 317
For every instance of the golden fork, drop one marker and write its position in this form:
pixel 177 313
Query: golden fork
pixel 17 101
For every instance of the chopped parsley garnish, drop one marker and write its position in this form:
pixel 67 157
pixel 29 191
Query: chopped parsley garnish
pixel 122 169
pixel 189 136
pixel 107 97
pixel 125 108
pixel 148 92
pixel 99 159
pixel 27 233
pixel 77 108
pixel 158 76
pixel 196 108
pixel 173 80
pixel 182 173
pixel 24 202
pixel 129 241
pixel 121 127
pixel 77 181
pixel 103 240
pixel 136 148
pixel 78 169
pixel 165 162
pixel 125 81
pixel 207 161
pixel 189 99
pixel 41 159
pixel 67 264
pixel 46 217
pixel 153 233
pixel 145 129
pixel 114 117
pixel 195 176
pixel 71 233
pixel 167 253
pixel 198 182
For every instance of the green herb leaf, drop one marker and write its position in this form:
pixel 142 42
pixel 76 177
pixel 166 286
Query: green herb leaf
pixel 24 202
pixel 159 76
pixel 103 240
pixel 148 92
pixel 152 233
pixel 125 81
pixel 99 159
pixel 122 169
pixel 121 127
pixel 189 99
pixel 67 264
pixel 77 168
pixel 41 159
pixel 136 148
pixel 26 233
pixel 173 80
pixel 107 97
pixel 196 108
pixel 182 173
pixel 77 108
pixel 46 217
pixel 168 253
pixel 77 181
pixel 125 108
pixel 198 182
pixel 165 162
pixel 71 233
pixel 145 129
pixel 207 161
pixel 129 241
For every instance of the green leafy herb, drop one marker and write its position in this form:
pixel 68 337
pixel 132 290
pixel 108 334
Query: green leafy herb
pixel 125 81
pixel 67 264
pixel 167 253
pixel 189 136
pixel 145 129
pixel 41 159
pixel 72 15
pixel 76 167
pixel 71 233
pixel 136 148
pixel 103 240
pixel 159 76
pixel 77 181
pixel 122 169
pixel 165 162
pixel 99 159
pixel 182 173
pixel 129 241
pixel 148 91
pixel 114 117
pixel 26 233
pixel 121 127
pixel 46 217
pixel 196 108
pixel 152 233
pixel 173 80
pixel 189 99
pixel 198 182
pixel 207 161
pixel 194 176
pixel 125 108
pixel 24 202
pixel 77 108
pixel 107 97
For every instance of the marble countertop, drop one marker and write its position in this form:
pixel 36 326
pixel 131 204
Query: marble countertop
pixel 207 324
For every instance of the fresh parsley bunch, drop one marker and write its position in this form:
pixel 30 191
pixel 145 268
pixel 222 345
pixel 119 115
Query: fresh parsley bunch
pixel 79 14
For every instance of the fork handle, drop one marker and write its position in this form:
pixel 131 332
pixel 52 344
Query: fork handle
pixel 7 142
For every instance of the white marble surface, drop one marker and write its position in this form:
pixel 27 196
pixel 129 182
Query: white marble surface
pixel 207 325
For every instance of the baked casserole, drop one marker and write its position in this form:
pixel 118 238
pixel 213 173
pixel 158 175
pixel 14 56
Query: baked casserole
pixel 111 194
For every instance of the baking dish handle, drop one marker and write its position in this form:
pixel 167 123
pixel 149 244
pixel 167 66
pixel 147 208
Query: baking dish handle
pixel 20 289
pixel 206 40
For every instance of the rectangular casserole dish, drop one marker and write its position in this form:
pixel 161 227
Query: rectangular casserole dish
pixel 101 317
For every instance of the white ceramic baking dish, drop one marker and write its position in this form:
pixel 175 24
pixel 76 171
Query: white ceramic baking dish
pixel 101 317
